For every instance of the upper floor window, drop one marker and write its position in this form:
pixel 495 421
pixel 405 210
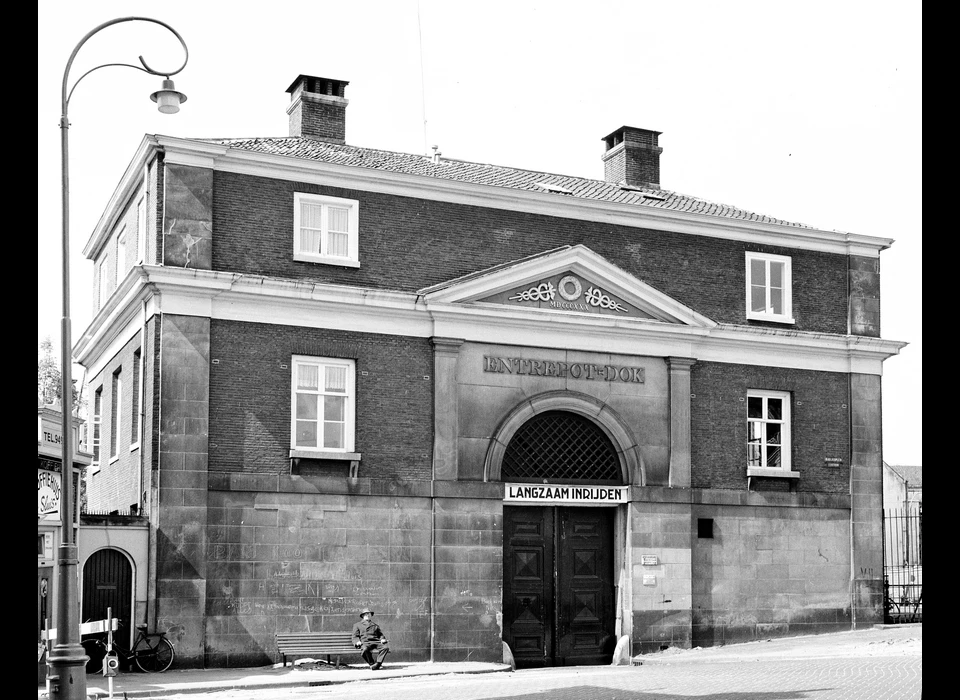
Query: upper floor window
pixel 95 425
pixel 326 229
pixel 769 288
pixel 324 397
pixel 103 284
pixel 116 398
pixel 141 228
pixel 121 256
pixel 135 399
pixel 768 430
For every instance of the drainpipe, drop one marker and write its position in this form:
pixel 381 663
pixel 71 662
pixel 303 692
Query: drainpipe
pixel 433 566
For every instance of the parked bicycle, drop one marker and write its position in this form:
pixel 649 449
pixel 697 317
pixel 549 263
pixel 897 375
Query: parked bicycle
pixel 152 653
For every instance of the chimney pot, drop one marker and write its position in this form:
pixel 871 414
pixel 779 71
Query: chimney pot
pixel 318 108
pixel 632 157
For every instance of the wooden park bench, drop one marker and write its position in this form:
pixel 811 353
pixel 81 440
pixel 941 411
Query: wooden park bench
pixel 313 644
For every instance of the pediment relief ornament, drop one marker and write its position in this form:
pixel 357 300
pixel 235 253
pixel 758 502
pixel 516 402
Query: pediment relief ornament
pixel 566 291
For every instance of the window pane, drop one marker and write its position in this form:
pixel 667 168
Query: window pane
pixel 336 379
pixel 753 456
pixel 754 407
pixel 773 457
pixel 776 301
pixel 775 409
pixel 310 240
pixel 755 429
pixel 308 377
pixel 758 299
pixel 306 434
pixel 306 407
pixel 773 433
pixel 758 273
pixel 333 407
pixel 776 274
pixel 339 220
pixel 338 243
pixel 333 436
pixel 311 215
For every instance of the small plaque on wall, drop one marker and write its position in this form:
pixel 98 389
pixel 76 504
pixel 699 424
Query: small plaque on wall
pixel 649 560
pixel 649 580
pixel 833 461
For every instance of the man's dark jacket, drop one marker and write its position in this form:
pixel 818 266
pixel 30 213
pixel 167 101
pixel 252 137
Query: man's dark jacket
pixel 367 632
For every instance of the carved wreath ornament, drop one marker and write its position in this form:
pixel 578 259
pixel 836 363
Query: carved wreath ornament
pixel 570 289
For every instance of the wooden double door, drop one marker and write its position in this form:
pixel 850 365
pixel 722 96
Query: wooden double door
pixel 558 594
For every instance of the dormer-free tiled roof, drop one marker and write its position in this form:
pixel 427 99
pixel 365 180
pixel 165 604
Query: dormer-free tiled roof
pixel 493 175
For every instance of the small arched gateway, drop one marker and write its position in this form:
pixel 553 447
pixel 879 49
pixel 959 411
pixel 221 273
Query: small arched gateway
pixel 566 460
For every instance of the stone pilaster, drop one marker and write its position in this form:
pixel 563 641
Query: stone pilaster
pixel 680 421
pixel 446 352
pixel 866 500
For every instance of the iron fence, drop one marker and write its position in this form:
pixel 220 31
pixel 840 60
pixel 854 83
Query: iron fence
pixel 903 565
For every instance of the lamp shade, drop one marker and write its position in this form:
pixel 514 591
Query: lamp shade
pixel 168 99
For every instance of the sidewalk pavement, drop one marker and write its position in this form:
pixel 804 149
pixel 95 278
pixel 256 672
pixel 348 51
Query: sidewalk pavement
pixel 879 640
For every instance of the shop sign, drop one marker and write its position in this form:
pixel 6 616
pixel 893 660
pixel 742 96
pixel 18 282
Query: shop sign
pixel 564 493
pixel 48 492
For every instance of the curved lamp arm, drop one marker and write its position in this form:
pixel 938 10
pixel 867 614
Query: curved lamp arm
pixel 66 94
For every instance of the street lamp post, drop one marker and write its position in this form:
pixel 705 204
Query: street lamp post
pixel 67 659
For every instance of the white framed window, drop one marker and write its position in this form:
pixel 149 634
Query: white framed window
pixel 116 399
pixel 326 229
pixel 768 433
pixel 95 426
pixel 323 404
pixel 141 229
pixel 769 288
pixel 121 257
pixel 136 396
pixel 103 287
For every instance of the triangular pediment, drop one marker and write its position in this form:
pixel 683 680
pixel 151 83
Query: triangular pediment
pixel 569 280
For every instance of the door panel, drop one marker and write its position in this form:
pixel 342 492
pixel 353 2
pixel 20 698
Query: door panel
pixel 108 583
pixel 528 584
pixel 585 624
pixel 558 585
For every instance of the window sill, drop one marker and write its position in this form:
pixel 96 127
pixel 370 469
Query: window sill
pixel 353 458
pixel 326 260
pixel 771 319
pixel 134 447
pixel 772 473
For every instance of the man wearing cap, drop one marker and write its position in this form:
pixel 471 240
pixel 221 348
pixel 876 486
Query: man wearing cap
pixel 367 637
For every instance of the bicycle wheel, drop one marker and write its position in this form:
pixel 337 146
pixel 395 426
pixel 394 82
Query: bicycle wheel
pixel 154 655
pixel 94 649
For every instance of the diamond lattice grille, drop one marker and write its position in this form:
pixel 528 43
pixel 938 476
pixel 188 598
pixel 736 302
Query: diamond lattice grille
pixel 558 445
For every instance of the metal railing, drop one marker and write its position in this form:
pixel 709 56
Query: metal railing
pixel 903 565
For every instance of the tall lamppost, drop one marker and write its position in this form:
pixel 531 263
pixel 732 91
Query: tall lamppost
pixel 67 659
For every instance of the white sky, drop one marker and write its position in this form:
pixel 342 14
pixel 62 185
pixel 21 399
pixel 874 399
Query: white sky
pixel 807 111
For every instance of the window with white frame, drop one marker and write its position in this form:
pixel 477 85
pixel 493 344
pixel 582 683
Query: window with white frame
pixel 324 397
pixel 103 284
pixel 768 430
pixel 141 228
pixel 121 256
pixel 769 288
pixel 326 229
pixel 116 398
pixel 135 399
pixel 95 425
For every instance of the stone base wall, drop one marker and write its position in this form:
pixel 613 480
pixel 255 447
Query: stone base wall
pixel 770 572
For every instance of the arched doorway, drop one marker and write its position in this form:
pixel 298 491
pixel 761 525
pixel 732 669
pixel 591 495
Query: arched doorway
pixel 108 583
pixel 558 595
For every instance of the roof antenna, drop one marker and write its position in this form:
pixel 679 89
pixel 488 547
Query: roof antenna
pixel 423 89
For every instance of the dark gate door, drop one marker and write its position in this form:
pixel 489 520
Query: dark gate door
pixel 558 585
pixel 108 583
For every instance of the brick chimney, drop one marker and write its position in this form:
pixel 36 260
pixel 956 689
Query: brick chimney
pixel 632 157
pixel 318 108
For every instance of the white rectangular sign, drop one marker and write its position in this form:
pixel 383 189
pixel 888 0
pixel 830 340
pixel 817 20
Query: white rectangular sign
pixel 565 493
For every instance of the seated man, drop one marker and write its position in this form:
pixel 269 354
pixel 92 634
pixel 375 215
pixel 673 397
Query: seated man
pixel 367 636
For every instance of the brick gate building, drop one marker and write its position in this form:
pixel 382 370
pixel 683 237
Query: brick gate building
pixel 498 406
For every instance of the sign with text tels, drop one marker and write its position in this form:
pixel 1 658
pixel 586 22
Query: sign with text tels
pixel 565 493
